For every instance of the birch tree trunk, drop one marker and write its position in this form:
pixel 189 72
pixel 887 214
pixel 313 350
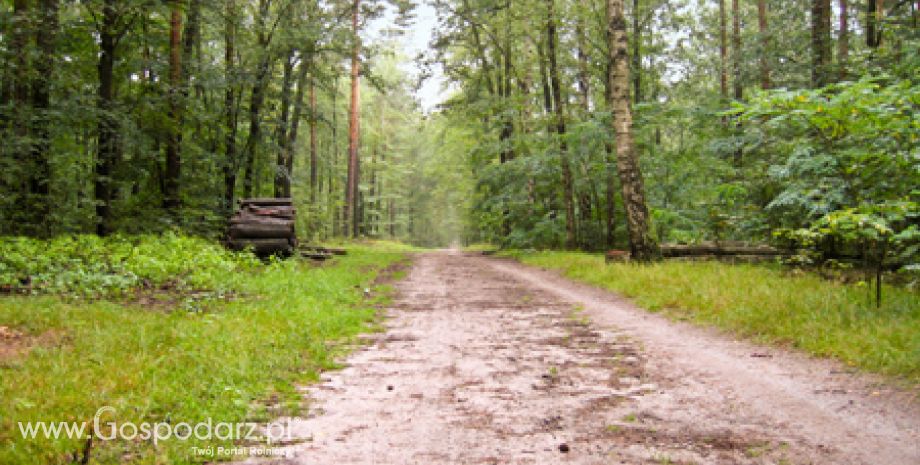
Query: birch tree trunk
pixel 641 244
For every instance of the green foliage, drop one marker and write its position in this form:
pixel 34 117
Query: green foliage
pixel 846 145
pixel 239 362
pixel 87 265
pixel 766 304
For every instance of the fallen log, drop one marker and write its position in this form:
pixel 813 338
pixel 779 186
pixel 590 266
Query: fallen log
pixel 267 202
pixel 719 250
pixel 316 255
pixel 321 249
pixel 256 230
pixel 277 212
pixel 263 246
pixel 265 225
pixel 246 217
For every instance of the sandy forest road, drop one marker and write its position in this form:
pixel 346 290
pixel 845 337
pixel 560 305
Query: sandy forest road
pixel 486 361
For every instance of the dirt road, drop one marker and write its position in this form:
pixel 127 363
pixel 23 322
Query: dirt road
pixel 486 361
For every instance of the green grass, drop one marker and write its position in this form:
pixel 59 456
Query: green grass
pixel 380 245
pixel 480 247
pixel 766 303
pixel 290 321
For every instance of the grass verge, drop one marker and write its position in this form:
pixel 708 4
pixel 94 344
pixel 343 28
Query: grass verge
pixel 235 361
pixel 765 303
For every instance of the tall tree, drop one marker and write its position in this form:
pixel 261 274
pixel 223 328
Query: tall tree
pixel 21 149
pixel 351 193
pixel 843 40
pixel 282 177
pixel 257 96
pixel 641 244
pixel 584 75
pixel 556 87
pixel 40 176
pixel 114 24
pixel 289 142
pixel 874 9
pixel 174 141
pixel 313 149
pixel 723 53
pixel 737 85
pixel 820 42
pixel 763 31
pixel 636 55
pixel 231 164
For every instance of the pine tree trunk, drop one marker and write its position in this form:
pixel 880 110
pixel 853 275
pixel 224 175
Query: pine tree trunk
pixel 567 184
pixel 174 142
pixel 640 241
pixel 351 195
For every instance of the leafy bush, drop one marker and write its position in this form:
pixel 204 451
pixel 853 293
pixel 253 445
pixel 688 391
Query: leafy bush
pixel 846 145
pixel 89 265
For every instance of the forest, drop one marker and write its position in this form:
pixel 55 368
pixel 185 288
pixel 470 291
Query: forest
pixel 564 124
pixel 492 198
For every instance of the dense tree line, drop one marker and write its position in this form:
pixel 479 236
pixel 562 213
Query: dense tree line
pixel 143 115
pixel 582 124
pixel 731 105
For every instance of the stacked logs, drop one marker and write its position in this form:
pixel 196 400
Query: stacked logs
pixel 265 225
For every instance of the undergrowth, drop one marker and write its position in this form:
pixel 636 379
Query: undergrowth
pixel 92 266
pixel 239 361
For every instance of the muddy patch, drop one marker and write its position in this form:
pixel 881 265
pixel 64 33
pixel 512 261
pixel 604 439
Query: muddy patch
pixel 15 344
